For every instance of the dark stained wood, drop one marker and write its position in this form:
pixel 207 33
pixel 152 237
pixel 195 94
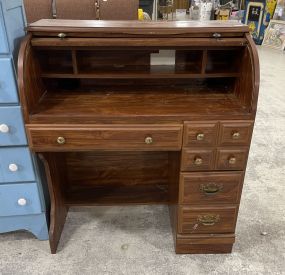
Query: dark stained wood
pixel 118 168
pixel 235 133
pixel 137 42
pixel 119 137
pixel 103 91
pixel 142 28
pixel 210 188
pixel 54 168
pixel 197 159
pixel 224 156
pixel 173 176
pixel 200 134
pixel 30 84
pixel 189 223
pixel 109 107
pixel 156 73
pixel 204 243
pixel 118 195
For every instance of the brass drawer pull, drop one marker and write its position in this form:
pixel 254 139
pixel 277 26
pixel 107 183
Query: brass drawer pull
pixel 236 135
pixel 61 35
pixel 200 136
pixel 148 140
pixel 208 219
pixel 217 35
pixel 60 140
pixel 198 161
pixel 211 188
pixel 232 160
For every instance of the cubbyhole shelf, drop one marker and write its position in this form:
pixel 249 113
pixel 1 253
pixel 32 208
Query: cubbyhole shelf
pixel 122 64
pixel 106 84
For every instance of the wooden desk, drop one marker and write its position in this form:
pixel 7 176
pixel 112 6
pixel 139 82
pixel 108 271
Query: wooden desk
pixel 115 122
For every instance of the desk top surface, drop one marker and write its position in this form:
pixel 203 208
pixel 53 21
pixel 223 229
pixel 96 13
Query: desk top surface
pixel 46 25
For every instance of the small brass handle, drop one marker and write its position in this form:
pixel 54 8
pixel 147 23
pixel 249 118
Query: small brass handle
pixel 236 135
pixel 232 160
pixel 211 188
pixel 148 140
pixel 61 35
pixel 198 161
pixel 200 136
pixel 60 140
pixel 208 219
pixel 217 35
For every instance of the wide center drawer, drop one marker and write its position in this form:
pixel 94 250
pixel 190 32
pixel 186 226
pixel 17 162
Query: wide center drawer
pixel 105 137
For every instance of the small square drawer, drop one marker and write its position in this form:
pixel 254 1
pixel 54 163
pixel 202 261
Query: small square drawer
pixel 204 187
pixel 235 133
pixel 12 130
pixel 19 199
pixel 197 159
pixel 200 134
pixel 196 220
pixel 8 86
pixel 16 165
pixel 231 159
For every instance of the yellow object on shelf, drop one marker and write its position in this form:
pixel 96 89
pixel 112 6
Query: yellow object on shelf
pixel 140 14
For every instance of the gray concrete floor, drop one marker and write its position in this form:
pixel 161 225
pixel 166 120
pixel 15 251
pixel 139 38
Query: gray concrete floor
pixel 93 237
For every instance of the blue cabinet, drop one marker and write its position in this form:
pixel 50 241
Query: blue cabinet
pixel 19 199
pixel 16 165
pixel 8 86
pixel 22 204
pixel 12 131
pixel 4 47
pixel 12 26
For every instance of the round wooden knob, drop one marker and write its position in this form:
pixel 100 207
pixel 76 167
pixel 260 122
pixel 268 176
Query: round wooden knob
pixel 232 160
pixel 148 140
pixel 200 136
pixel 60 140
pixel 22 202
pixel 236 135
pixel 198 161
pixel 13 167
pixel 4 128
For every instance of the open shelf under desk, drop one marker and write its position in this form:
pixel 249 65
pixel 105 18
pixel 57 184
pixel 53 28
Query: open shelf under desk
pixel 111 105
pixel 110 195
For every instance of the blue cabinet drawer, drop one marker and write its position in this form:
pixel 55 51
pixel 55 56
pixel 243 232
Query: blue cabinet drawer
pixel 12 130
pixel 19 199
pixel 16 165
pixel 8 86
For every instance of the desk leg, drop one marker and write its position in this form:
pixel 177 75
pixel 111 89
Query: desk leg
pixel 55 173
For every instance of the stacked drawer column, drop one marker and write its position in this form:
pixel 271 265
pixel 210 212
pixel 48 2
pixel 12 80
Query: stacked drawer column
pixel 22 203
pixel 213 162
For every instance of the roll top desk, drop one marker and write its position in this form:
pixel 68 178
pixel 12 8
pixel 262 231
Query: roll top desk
pixel 126 112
